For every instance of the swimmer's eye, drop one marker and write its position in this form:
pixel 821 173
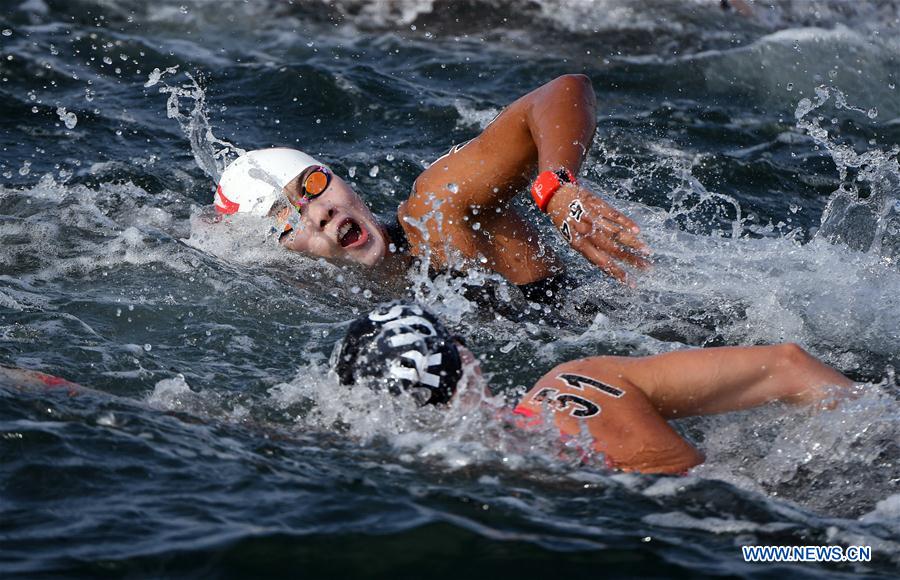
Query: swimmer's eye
pixel 312 185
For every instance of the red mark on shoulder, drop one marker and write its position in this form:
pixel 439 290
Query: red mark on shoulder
pixel 524 411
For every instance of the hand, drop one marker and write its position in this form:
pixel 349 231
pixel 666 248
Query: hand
pixel 602 235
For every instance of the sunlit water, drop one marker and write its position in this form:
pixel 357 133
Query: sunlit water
pixel 758 154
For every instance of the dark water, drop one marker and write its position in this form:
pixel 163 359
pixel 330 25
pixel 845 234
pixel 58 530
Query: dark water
pixel 220 446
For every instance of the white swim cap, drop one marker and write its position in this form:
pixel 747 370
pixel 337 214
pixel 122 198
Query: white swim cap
pixel 253 182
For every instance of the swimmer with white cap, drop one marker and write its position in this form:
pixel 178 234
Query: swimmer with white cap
pixel 537 143
pixel 624 403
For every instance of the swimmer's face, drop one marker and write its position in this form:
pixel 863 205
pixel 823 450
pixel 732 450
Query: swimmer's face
pixel 335 225
pixel 472 389
pixel 468 359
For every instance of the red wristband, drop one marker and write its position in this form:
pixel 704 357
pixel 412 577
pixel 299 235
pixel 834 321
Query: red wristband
pixel 546 184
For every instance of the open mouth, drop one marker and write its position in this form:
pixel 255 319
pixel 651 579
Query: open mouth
pixel 350 234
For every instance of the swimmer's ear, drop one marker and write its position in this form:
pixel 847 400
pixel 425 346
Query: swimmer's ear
pixel 280 204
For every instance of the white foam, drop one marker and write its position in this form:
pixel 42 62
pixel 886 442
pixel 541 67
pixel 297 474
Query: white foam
pixel 683 521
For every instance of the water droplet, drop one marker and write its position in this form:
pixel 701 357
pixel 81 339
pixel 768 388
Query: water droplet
pixel 476 226
pixel 184 9
pixel 53 50
pixel 70 119
pixel 373 172
pixel 355 290
pixel 389 157
pixel 832 74
pixel 794 208
pixel 26 168
pixel 34 109
pixel 107 60
pixel 452 187
pixel 352 172
pixel 118 312
pixel 872 113
pixel 7 32
pixel 367 293
pixel 790 86
pixel 148 348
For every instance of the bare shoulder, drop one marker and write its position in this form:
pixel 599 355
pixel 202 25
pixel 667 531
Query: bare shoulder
pixel 585 384
pixel 627 429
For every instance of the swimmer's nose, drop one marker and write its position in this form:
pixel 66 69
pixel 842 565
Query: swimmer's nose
pixel 320 214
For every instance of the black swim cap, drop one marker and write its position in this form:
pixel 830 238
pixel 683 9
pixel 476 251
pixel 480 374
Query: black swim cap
pixel 406 348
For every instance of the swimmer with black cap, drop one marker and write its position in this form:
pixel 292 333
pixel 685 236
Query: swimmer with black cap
pixel 537 143
pixel 624 402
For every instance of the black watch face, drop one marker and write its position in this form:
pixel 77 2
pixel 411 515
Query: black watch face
pixel 563 175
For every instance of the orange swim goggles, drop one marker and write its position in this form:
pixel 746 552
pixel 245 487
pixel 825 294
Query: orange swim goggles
pixel 313 185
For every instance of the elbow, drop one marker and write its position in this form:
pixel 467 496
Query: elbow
pixel 793 356
pixel 577 90
pixel 577 83
pixel 574 82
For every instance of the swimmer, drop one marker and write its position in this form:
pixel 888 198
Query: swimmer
pixel 460 205
pixel 625 403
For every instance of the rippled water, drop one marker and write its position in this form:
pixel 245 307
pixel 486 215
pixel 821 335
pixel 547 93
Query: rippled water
pixel 759 155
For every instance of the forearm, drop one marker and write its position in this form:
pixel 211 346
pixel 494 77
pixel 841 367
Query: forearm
pixel 562 119
pixel 717 380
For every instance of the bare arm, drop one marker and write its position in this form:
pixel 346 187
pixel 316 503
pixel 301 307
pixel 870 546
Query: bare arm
pixel 705 381
pixel 625 401
pixel 547 129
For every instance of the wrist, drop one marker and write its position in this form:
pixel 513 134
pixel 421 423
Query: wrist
pixel 558 206
pixel 546 185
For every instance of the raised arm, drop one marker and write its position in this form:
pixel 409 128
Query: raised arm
pixel 548 129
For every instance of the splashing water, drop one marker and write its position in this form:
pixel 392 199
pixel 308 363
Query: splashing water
pixel 109 253
pixel 210 152
pixel 864 213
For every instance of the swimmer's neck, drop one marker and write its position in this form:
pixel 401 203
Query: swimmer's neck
pixel 396 262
